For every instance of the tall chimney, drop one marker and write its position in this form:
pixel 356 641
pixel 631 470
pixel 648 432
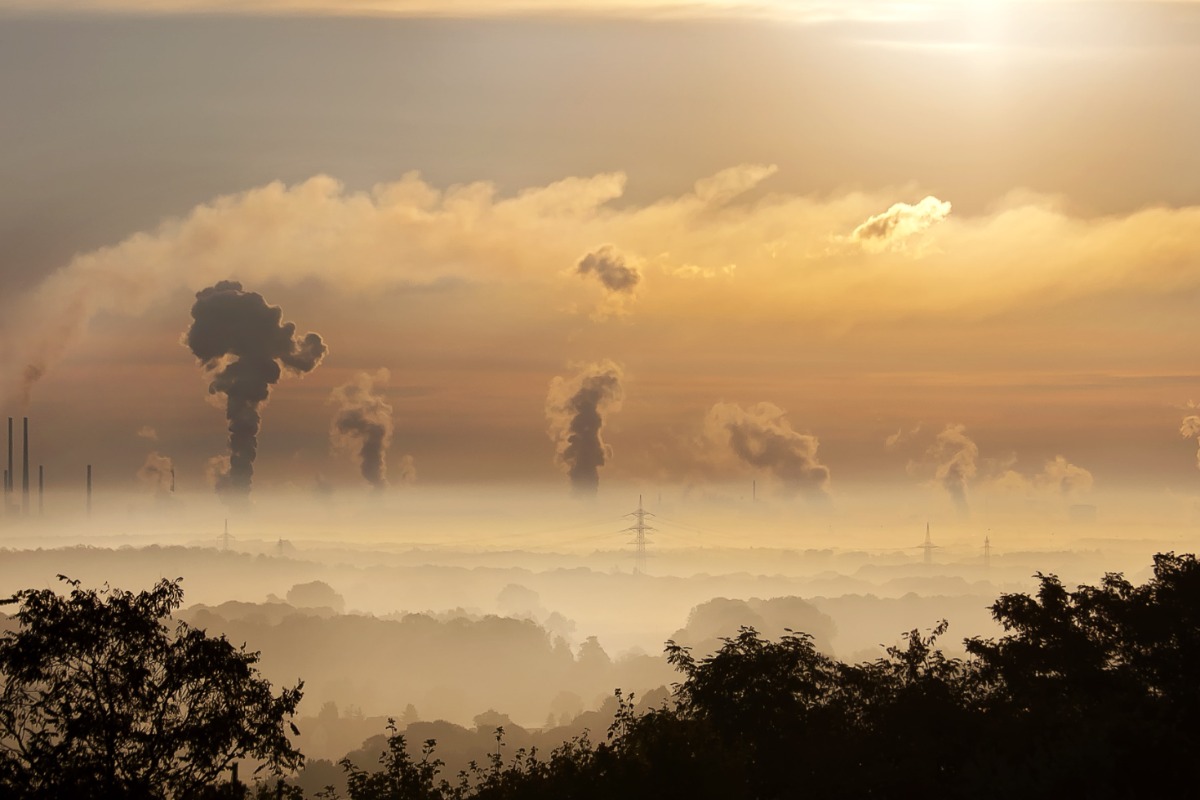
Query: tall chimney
pixel 8 476
pixel 25 470
pixel 41 489
pixel 89 491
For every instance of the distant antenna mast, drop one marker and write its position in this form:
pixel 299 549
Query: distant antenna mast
pixel 225 538
pixel 639 529
pixel 928 546
pixel 987 552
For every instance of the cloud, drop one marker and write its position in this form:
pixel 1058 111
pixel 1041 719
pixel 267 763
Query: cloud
pixel 761 437
pixel 575 408
pixel 363 424
pixel 890 229
pixel 146 432
pixel 1025 254
pixel 811 11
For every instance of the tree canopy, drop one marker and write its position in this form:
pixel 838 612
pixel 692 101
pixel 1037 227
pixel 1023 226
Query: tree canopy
pixel 100 696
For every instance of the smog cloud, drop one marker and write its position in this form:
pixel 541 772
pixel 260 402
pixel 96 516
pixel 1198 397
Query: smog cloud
pixel 243 343
pixel 956 456
pixel 363 424
pixel 762 437
pixel 575 408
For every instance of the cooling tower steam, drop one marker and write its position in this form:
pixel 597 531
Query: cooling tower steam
pixel 363 424
pixel 245 346
pixel 576 408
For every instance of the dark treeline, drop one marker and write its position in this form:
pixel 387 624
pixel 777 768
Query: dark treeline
pixel 1089 692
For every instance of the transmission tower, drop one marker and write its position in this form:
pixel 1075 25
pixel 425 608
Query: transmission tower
pixel 639 529
pixel 225 538
pixel 928 546
pixel 987 551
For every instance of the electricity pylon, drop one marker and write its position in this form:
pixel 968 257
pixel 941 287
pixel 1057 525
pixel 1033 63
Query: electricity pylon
pixel 639 529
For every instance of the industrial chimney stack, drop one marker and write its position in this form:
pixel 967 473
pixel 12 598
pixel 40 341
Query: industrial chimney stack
pixel 89 490
pixel 25 469
pixel 8 475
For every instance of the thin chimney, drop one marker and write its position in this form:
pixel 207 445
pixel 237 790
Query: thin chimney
pixel 8 474
pixel 41 489
pixel 89 490
pixel 25 470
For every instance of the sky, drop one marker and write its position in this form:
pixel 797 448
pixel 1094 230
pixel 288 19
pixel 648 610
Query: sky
pixel 950 249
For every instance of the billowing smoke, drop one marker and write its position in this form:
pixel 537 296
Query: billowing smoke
pixel 363 424
pixel 1189 429
pixel 612 268
pixel 158 473
pixel 762 437
pixel 1065 478
pixel 576 407
pixel 956 456
pixel 243 343
pixel 902 220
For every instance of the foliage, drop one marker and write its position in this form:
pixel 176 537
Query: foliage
pixel 1091 692
pixel 100 698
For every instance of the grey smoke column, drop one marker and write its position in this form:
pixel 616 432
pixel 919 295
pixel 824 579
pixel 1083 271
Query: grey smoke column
pixel 245 345
pixel 575 408
pixel 364 421
pixel 956 456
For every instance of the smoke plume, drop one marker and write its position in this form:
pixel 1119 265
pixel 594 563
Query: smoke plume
pixel 157 473
pixel 575 408
pixel 363 424
pixel 1064 478
pixel 244 345
pixel 612 268
pixel 1191 428
pixel 762 437
pixel 956 456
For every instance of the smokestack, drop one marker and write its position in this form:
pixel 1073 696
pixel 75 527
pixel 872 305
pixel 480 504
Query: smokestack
pixel 41 489
pixel 89 490
pixel 25 469
pixel 8 474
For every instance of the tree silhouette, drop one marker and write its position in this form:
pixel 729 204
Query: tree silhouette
pixel 102 699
